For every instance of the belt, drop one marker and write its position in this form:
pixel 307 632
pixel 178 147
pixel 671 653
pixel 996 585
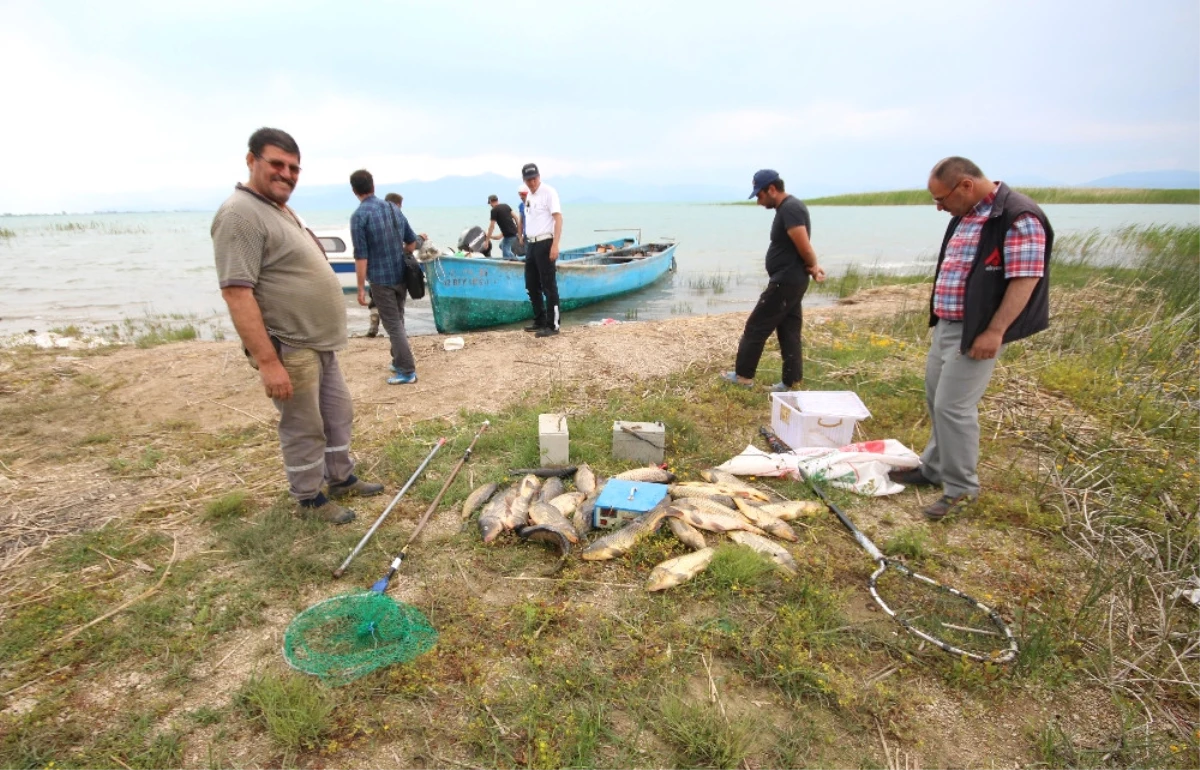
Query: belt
pixel 542 237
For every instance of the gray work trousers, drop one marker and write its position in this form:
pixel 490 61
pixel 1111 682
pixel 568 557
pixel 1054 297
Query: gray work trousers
pixel 390 301
pixel 954 384
pixel 314 424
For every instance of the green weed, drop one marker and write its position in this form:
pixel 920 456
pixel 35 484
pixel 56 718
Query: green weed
pixel 911 542
pixel 232 505
pixel 294 711
pixel 701 736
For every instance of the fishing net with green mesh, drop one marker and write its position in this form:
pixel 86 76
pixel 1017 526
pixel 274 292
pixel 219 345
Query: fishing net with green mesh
pixel 344 637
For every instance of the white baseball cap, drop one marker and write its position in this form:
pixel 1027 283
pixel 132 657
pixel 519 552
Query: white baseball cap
pixel 522 190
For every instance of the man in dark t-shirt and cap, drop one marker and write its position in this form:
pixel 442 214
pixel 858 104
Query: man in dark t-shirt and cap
pixel 791 261
pixel 502 216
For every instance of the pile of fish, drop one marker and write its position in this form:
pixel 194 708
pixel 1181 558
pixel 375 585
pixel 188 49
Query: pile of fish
pixel 543 510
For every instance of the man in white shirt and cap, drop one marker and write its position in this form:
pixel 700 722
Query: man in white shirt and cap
pixel 541 225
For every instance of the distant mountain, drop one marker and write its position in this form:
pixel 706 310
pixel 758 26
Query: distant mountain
pixel 473 190
pixel 1162 180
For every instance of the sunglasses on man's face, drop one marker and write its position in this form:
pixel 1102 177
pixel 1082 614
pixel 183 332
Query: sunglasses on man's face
pixel 280 165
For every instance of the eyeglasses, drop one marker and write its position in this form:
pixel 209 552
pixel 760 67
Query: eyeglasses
pixel 280 165
pixel 941 200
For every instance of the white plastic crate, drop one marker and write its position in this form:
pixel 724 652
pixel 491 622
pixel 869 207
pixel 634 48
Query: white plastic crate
pixel 816 418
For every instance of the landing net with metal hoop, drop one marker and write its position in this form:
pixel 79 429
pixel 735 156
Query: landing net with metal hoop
pixel 345 637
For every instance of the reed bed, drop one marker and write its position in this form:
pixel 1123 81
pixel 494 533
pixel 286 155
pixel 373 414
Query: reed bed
pixel 1039 194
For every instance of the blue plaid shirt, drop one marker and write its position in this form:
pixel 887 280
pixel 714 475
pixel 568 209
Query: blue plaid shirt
pixel 379 232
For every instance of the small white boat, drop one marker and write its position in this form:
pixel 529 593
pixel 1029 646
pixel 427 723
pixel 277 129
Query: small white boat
pixel 339 250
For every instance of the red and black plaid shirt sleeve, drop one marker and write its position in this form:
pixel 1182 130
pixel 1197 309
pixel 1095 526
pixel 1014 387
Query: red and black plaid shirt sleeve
pixel 1025 248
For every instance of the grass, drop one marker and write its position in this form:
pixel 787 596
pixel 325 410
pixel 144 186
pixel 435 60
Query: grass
pixel 295 712
pixel 856 279
pixel 1039 194
pixel 1086 528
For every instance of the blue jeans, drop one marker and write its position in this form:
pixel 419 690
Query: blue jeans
pixel 506 245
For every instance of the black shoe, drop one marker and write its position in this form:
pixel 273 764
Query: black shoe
pixel 548 331
pixel 946 506
pixel 535 327
pixel 913 477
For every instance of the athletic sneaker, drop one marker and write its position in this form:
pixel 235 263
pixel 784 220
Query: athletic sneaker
pixel 548 331
pixel 534 327
pixel 403 379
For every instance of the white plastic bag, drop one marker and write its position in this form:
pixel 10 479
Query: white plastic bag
pixel 861 467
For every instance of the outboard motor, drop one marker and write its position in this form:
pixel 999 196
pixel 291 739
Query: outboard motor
pixel 473 239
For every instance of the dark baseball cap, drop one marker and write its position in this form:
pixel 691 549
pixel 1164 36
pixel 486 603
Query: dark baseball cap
pixel 529 171
pixel 763 178
pixel 492 199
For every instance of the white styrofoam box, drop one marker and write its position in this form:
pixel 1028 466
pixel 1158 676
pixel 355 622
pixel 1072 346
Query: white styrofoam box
pixel 816 418
pixel 640 442
pixel 553 439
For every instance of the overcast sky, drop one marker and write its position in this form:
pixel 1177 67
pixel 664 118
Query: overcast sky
pixel 137 96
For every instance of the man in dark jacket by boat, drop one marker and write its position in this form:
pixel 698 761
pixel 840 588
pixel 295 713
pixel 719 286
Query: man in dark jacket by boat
pixel 991 288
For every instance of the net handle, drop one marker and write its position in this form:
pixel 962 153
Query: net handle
pixel 883 564
pixel 382 584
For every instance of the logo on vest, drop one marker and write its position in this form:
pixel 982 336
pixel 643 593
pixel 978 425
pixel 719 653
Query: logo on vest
pixel 994 261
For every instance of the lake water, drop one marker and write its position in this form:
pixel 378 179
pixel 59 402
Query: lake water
pixel 135 266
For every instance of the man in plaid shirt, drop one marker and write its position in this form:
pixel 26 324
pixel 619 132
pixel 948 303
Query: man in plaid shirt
pixel 991 288
pixel 381 235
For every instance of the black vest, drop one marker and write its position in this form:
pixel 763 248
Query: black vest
pixel 986 283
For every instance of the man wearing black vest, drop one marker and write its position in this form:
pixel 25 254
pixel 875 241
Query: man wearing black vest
pixel 991 287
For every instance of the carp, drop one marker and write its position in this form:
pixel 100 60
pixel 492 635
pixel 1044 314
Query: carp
pixel 567 502
pixel 652 474
pixel 526 492
pixel 546 515
pixel 492 519
pixel 624 539
pixel 551 488
pixel 765 521
pixel 790 510
pixel 585 480
pixel 582 519
pixel 769 548
pixel 687 534
pixel 478 497
pixel 553 538
pixel 706 489
pixel 713 522
pixel 681 569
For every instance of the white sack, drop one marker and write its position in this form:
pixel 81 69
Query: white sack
pixel 861 467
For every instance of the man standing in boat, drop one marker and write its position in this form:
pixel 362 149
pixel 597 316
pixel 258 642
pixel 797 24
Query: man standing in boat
pixel 543 231
pixel 791 261
pixel 287 307
pixel 502 216
pixel 381 235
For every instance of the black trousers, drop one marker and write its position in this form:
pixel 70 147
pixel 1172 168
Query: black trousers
pixel 542 279
pixel 777 312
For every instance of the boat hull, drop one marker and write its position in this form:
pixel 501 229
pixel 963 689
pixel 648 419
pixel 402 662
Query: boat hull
pixel 471 293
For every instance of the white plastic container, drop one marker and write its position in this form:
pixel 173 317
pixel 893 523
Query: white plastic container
pixel 816 418
pixel 553 439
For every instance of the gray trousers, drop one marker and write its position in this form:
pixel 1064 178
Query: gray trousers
pixel 954 384
pixel 390 301
pixel 314 424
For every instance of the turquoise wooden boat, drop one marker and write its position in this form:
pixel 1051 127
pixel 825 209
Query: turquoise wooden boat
pixel 474 292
